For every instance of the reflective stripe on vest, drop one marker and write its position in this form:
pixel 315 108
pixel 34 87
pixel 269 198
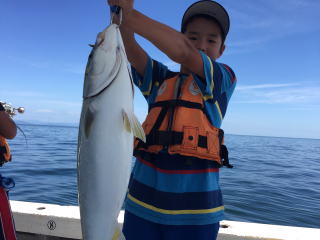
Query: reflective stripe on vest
pixel 177 122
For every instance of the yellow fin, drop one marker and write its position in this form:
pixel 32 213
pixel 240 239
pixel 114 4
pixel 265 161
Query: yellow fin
pixel 126 122
pixel 118 235
pixel 131 123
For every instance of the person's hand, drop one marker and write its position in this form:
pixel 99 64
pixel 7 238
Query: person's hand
pixel 127 7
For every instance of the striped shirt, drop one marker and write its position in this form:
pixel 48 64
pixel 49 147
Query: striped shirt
pixel 174 189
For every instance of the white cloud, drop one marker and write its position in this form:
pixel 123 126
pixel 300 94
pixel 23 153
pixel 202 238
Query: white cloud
pixel 261 22
pixel 48 65
pixel 263 86
pixel 288 93
pixel 21 94
pixel 43 111
pixel 76 69
pixel 50 115
pixel 63 103
pixel 28 62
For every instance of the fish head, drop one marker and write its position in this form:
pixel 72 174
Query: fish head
pixel 104 62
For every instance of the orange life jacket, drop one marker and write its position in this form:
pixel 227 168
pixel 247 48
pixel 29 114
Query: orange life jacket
pixel 5 155
pixel 177 122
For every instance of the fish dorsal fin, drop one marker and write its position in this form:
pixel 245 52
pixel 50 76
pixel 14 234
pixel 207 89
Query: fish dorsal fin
pixel 131 123
pixel 104 62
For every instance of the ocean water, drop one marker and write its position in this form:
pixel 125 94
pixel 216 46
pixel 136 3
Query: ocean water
pixel 274 180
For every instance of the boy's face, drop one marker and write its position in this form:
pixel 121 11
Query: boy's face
pixel 206 36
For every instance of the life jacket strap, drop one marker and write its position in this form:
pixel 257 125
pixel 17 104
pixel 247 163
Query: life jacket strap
pixel 176 103
pixel 150 157
pixel 167 138
pixel 170 104
pixel 165 106
pixel 224 154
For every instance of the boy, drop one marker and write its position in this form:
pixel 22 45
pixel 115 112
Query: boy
pixel 174 189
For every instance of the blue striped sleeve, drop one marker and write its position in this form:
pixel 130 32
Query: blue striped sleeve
pixel 154 73
pixel 216 75
pixel 230 82
pixel 144 83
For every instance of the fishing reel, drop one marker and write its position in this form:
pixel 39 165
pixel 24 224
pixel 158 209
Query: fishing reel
pixel 5 155
pixel 12 110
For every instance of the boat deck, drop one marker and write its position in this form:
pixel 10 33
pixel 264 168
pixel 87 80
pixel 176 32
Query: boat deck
pixel 38 221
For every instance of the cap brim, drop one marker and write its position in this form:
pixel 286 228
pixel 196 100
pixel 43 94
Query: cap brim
pixel 211 9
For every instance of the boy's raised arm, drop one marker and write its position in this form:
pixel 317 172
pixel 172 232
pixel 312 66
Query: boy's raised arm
pixel 136 55
pixel 173 43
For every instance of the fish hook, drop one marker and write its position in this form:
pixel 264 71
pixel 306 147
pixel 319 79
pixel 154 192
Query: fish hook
pixel 116 10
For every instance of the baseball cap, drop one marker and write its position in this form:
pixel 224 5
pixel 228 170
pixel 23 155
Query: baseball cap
pixel 211 9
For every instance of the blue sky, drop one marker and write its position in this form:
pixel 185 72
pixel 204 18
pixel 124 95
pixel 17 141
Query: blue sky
pixel 273 47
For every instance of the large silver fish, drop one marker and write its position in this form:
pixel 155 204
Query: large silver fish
pixel 106 132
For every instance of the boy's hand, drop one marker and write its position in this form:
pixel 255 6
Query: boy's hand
pixel 126 5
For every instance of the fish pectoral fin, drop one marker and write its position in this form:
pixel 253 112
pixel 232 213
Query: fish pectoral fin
pixel 126 121
pixel 131 123
pixel 118 235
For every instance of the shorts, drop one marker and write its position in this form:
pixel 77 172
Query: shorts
pixel 136 228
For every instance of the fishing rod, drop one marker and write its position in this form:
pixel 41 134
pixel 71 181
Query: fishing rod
pixel 12 111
